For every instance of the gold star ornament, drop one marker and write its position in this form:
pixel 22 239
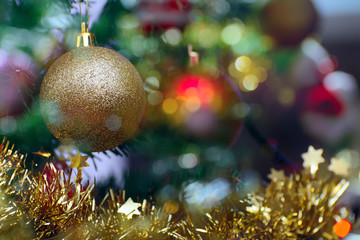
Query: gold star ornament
pixel 312 158
pixel 78 161
pixel 129 208
pixel 339 167
pixel 276 175
pixel 42 153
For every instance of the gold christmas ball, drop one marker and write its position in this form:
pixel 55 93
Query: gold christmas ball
pixel 93 97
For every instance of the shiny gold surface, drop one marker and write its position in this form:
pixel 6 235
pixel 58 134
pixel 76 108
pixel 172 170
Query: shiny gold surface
pixel 85 38
pixel 50 205
pixel 94 97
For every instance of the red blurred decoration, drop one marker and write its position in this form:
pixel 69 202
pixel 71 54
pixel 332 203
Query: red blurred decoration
pixel 159 15
pixel 196 86
pixel 18 80
pixel 201 99
pixel 320 100
pixel 289 22
pixel 342 228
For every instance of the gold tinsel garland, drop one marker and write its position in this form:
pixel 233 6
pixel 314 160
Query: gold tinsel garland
pixel 49 205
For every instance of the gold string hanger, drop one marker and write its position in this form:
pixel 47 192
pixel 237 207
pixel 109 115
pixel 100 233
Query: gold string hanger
pixel 193 56
pixel 85 38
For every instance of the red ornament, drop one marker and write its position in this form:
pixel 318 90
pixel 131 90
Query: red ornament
pixel 201 88
pixel 159 15
pixel 320 100
pixel 195 101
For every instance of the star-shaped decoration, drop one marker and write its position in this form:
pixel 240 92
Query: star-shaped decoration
pixel 276 175
pixel 42 153
pixel 129 208
pixel 78 161
pixel 312 158
pixel 339 167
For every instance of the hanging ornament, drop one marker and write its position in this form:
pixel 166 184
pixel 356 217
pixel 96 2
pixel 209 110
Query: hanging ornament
pixel 289 22
pixel 160 15
pixel 18 79
pixel 321 100
pixel 195 89
pixel 197 100
pixel 92 96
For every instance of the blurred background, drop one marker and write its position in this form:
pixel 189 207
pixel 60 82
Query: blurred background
pixel 339 33
pixel 274 77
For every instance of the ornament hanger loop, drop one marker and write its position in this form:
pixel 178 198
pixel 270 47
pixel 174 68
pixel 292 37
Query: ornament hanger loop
pixel 87 14
pixel 85 38
pixel 193 56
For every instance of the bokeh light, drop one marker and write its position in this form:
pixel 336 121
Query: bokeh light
pixel 192 104
pixel 232 33
pixel 129 3
pixel 240 110
pixel 248 73
pixel 113 122
pixel 233 71
pixel 190 93
pixel 195 88
pixel 155 98
pixel 152 83
pixel 188 160
pixel 137 45
pixel 206 194
pixel 170 106
pixel 220 6
pixel 8 125
pixel 243 64
pixel 342 228
pixel 172 36
pixel 128 21
pixel 250 82
pixel 260 73
pixel 286 96
pixel 53 113
pixel 171 206
pixel 203 34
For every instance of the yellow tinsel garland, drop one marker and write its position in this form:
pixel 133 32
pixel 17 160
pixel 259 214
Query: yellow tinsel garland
pixel 49 205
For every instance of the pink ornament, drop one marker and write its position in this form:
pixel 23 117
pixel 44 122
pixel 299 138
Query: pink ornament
pixel 18 78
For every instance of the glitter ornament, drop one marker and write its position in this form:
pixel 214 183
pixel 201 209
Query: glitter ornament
pixel 93 97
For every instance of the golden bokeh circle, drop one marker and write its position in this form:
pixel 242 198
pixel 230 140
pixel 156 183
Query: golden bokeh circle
pixel 171 206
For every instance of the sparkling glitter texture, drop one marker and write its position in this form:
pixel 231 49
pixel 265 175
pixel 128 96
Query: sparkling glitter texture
pixel 94 97
pixel 49 205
